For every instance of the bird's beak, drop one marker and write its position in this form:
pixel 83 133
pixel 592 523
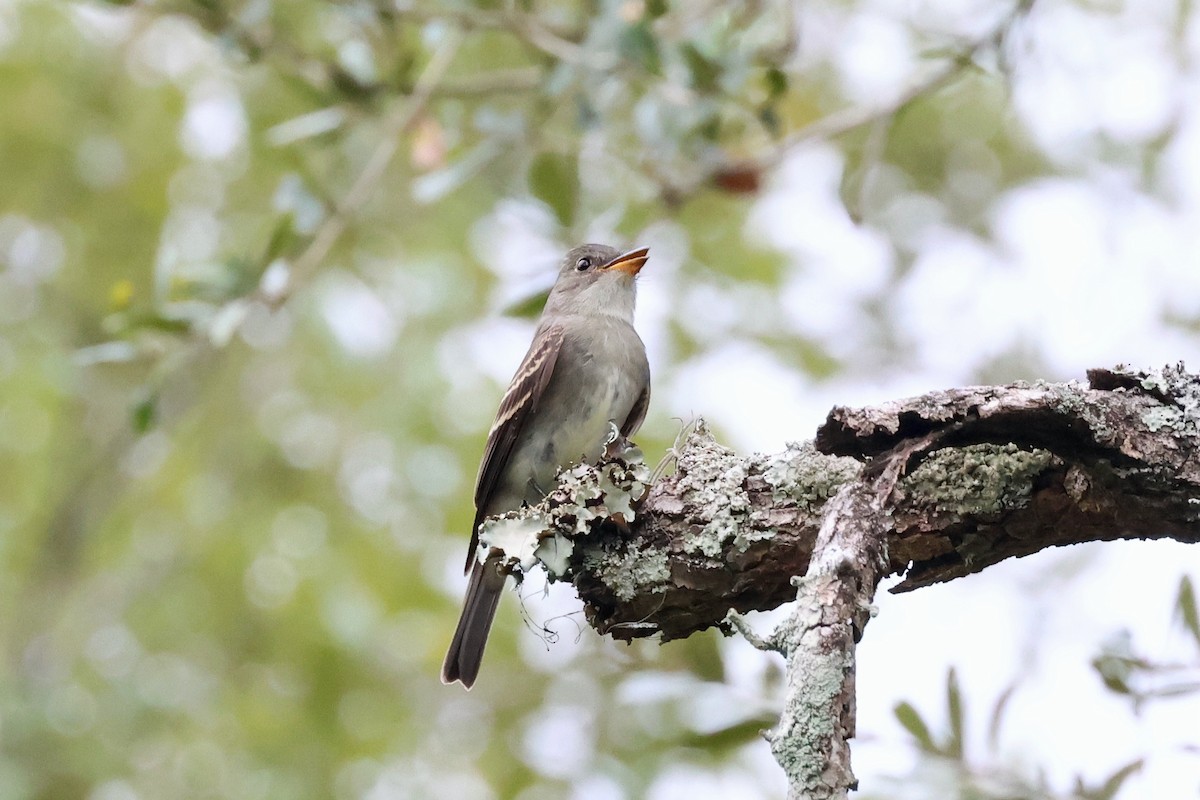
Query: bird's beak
pixel 630 263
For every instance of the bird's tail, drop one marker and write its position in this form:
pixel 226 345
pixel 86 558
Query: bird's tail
pixel 479 609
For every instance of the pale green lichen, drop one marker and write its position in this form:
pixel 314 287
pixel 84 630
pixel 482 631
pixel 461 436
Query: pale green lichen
pixel 555 553
pixel 631 572
pixel 978 480
pixel 749 533
pixel 1071 400
pixel 1163 417
pixel 808 723
pixel 806 477
pixel 620 494
pixel 586 493
pixel 517 534
pixel 1179 392
pixel 713 481
pixel 713 484
pixel 546 533
pixel 1182 389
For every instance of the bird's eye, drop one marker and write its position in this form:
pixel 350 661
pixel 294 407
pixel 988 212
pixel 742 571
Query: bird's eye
pixel 583 263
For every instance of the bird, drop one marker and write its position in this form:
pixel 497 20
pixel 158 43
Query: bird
pixel 584 379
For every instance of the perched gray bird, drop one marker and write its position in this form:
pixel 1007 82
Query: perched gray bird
pixel 584 377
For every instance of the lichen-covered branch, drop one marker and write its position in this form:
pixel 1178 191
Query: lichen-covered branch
pixel 817 721
pixel 934 487
pixel 812 740
pixel 1010 471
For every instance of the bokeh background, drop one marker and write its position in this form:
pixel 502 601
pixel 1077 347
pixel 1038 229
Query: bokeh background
pixel 267 265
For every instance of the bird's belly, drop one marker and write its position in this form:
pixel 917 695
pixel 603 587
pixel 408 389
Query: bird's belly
pixel 583 438
pixel 579 435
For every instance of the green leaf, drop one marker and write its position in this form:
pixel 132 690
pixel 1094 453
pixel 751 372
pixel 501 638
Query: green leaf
pixel 528 307
pixel 144 412
pixel 710 128
pixel 705 72
pixel 704 660
pixel 554 179
pixel 310 125
pixel 737 735
pixel 281 237
pixel 910 718
pixel 637 44
pixel 942 53
pixel 1185 608
pixel 1108 790
pixel 954 710
pixel 776 81
pixel 1116 663
pixel 159 322
pixel 769 118
pixel 435 185
pixel 1114 681
pixel 998 716
pixel 655 8
pixel 116 351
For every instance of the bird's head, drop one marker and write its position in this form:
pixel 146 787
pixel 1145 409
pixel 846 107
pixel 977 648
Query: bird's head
pixel 597 279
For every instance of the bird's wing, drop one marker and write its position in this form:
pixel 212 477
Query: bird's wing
pixel 519 405
pixel 637 414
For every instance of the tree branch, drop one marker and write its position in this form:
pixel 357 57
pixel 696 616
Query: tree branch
pixel 1011 471
pixel 933 487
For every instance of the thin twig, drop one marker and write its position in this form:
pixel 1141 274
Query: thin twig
pixel 395 126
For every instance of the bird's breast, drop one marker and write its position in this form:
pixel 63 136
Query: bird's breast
pixel 597 379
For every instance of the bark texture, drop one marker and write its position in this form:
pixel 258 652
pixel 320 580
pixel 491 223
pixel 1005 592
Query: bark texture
pixel 1003 471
